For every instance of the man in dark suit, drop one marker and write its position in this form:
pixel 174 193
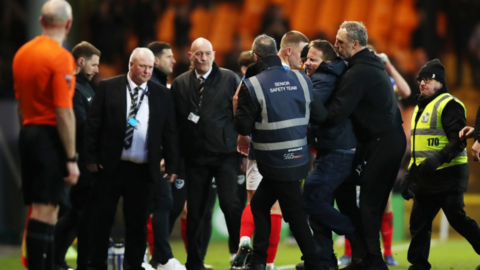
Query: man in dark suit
pixel 123 148
pixel 203 103
pixel 73 222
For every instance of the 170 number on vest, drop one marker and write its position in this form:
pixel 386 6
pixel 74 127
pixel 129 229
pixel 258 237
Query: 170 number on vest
pixel 433 141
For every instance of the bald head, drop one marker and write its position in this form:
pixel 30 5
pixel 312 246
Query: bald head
pixel 201 43
pixel 141 65
pixel 56 13
pixel 202 55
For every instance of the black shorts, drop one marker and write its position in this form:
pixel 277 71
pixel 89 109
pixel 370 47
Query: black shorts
pixel 43 166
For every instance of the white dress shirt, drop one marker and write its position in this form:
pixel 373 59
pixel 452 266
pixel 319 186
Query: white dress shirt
pixel 205 76
pixel 138 152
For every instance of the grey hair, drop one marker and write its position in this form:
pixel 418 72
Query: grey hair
pixel 137 51
pixel 264 46
pixel 356 31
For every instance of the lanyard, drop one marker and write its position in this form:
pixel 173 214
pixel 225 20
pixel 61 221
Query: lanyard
pixel 136 106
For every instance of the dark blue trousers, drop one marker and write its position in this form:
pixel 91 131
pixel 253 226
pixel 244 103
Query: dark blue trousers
pixel 331 169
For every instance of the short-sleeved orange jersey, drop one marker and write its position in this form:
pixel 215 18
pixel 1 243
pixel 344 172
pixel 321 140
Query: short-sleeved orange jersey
pixel 44 79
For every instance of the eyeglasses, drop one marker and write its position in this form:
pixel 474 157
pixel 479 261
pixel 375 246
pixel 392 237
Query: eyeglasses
pixel 424 79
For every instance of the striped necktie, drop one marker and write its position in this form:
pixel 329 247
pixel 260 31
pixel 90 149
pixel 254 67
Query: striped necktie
pixel 127 142
pixel 202 85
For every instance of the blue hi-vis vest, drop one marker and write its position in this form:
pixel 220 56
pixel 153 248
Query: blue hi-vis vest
pixel 280 134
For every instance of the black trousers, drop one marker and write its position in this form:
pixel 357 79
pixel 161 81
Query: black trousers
pixel 425 208
pixel 375 170
pixel 166 211
pixel 288 193
pixel 73 222
pixel 132 182
pixel 224 168
pixel 163 203
pixel 179 197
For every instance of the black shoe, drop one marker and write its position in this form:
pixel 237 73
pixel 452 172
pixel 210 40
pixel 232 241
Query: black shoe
pixel 153 263
pixel 251 266
pixel 355 266
pixel 334 261
pixel 301 266
pixel 377 267
pixel 413 267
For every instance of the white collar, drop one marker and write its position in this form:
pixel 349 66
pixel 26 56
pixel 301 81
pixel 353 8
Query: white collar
pixel 143 86
pixel 205 76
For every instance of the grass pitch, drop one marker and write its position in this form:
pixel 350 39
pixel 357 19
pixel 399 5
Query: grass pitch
pixel 454 254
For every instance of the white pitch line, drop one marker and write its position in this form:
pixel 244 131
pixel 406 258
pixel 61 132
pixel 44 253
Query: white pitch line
pixel 283 267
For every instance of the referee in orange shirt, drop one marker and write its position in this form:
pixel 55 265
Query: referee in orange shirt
pixel 44 83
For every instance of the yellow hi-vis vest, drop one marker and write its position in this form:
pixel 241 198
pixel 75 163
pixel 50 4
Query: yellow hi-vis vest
pixel 428 135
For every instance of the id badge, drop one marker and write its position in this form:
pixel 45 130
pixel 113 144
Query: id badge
pixel 133 122
pixel 193 117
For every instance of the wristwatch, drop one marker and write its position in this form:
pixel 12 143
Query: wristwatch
pixel 73 159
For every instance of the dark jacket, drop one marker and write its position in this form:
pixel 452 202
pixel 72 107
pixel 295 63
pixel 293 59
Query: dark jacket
pixel 477 125
pixel 106 127
pixel 246 115
pixel 325 81
pixel 159 76
pixel 454 178
pixel 214 133
pixel 81 103
pixel 365 95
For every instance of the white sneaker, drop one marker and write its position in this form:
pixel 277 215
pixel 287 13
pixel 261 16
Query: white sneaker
pixel 208 267
pixel 172 264
pixel 147 266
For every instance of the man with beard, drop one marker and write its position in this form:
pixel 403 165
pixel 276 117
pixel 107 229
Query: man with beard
pixel 438 171
pixel 74 221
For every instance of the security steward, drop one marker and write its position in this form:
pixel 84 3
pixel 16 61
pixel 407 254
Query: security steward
pixel 438 170
pixel 274 106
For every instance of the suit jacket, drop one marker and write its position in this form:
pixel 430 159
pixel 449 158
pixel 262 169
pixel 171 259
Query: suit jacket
pixel 106 127
pixel 214 133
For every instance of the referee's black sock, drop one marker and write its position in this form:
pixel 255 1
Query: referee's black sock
pixel 39 238
pixel 50 260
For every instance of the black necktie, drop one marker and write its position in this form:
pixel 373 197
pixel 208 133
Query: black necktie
pixel 127 142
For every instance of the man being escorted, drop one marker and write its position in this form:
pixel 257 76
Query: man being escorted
pixel 280 144
pixel 44 82
pixel 335 152
pixel 438 171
